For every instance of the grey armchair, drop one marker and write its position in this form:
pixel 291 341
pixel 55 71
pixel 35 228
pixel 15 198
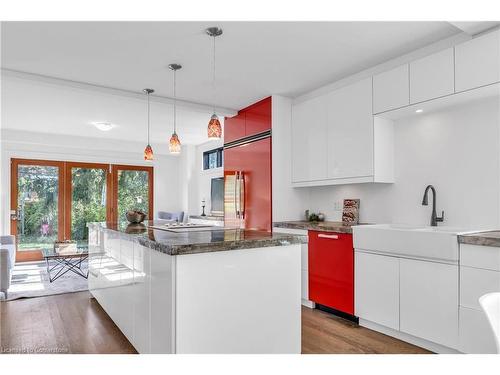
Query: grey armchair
pixel 173 216
pixel 7 261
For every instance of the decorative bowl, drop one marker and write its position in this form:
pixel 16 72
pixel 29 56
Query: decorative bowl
pixel 135 216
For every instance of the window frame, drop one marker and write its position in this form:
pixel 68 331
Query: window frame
pixel 206 158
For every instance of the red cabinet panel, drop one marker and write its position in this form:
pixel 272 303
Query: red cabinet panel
pixel 258 117
pixel 234 127
pixel 249 121
pixel 331 270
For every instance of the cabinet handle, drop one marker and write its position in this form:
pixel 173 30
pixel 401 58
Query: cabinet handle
pixel 329 236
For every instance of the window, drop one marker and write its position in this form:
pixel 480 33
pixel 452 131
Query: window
pixel 212 159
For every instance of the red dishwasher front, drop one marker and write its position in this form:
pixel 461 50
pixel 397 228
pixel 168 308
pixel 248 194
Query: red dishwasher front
pixel 331 270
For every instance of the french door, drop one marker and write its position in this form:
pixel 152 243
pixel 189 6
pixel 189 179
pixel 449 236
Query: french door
pixel 132 189
pixel 54 200
pixel 37 207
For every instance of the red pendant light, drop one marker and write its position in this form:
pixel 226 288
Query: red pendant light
pixel 148 151
pixel 214 129
pixel 174 145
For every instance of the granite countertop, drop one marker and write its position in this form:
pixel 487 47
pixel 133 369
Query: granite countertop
pixel 489 238
pixel 211 239
pixel 324 226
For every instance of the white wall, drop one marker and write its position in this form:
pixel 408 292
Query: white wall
pixel 456 150
pixel 288 203
pixel 188 176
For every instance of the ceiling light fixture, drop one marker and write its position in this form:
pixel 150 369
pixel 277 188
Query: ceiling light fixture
pixel 148 151
pixel 214 129
pixel 103 126
pixel 419 111
pixel 174 145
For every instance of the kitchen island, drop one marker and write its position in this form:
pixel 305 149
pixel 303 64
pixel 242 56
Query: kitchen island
pixel 203 290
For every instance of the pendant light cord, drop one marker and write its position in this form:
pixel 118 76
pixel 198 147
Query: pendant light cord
pixel 148 118
pixel 175 102
pixel 213 78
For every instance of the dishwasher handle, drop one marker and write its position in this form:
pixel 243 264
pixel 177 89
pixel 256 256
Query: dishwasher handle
pixel 328 236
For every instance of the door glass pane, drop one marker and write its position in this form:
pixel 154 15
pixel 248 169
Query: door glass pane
pixel 88 201
pixel 133 192
pixel 37 201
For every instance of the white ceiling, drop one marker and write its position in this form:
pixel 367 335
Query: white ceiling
pixel 36 106
pixel 254 59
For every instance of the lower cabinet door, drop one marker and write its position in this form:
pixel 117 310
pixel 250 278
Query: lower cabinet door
pixel 376 292
pixel 429 301
pixel 475 335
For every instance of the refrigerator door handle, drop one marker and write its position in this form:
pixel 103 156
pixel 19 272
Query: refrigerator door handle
pixel 242 195
pixel 236 192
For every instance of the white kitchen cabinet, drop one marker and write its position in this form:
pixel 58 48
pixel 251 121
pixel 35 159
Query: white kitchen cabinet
pixel 126 289
pixel 484 257
pixel 477 62
pixel 142 294
pixel 162 314
pixel 432 76
pixel 350 131
pixel 304 264
pixel 475 335
pixel 376 295
pixel 309 140
pixel 336 140
pixel 479 274
pixel 474 283
pixel 391 89
pixel 429 301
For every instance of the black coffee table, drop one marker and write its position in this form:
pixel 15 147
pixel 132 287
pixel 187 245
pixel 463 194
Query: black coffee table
pixel 64 261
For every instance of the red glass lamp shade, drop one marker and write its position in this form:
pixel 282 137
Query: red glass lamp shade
pixel 214 128
pixel 175 144
pixel 148 153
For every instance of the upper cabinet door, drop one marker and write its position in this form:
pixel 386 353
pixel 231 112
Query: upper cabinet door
pixel 258 117
pixel 350 131
pixel 477 62
pixel 309 140
pixel 234 127
pixel 432 76
pixel 391 89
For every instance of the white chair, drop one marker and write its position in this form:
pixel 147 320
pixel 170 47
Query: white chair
pixel 7 261
pixel 490 304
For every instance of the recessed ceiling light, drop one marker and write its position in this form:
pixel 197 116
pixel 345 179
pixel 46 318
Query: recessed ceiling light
pixel 103 125
pixel 419 111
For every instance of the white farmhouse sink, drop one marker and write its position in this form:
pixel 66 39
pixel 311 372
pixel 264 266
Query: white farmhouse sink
pixel 420 242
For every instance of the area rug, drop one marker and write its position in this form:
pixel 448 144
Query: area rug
pixel 30 279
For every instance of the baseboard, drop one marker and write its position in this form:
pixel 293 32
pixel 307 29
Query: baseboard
pixel 429 345
pixel 307 303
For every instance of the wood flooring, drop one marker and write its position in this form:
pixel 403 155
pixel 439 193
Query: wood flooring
pixel 64 323
pixel 75 323
pixel 324 333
